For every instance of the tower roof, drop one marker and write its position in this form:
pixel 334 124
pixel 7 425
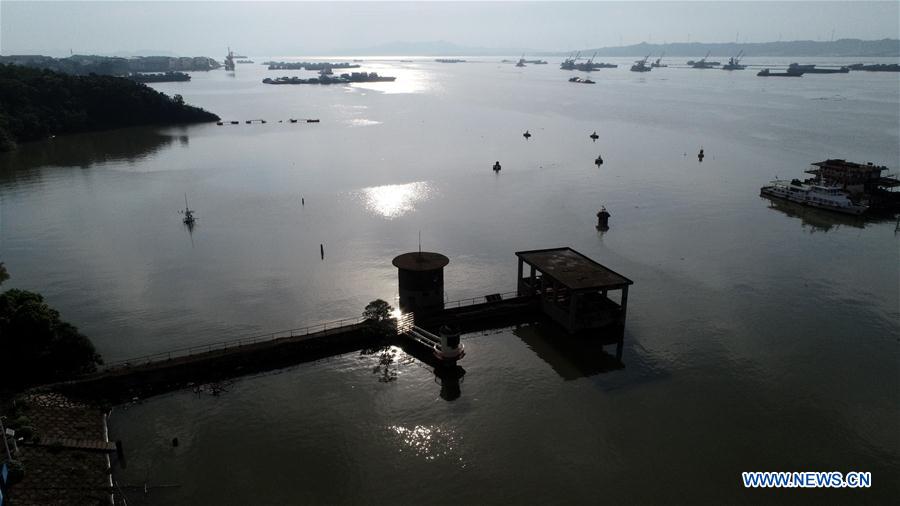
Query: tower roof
pixel 420 261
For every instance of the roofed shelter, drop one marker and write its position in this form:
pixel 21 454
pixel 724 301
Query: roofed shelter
pixel 573 289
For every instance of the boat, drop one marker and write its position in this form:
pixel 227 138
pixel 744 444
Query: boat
pixel 292 120
pixel 536 62
pixel 658 63
pixel 326 78
pixel 702 63
pixel 577 79
pixel 811 69
pixel 305 65
pixel 188 213
pixel 641 65
pixel 166 77
pixel 245 61
pixel 734 63
pixel 569 62
pixel 878 67
pixel 229 60
pixel 832 198
pixel 312 121
pixel 449 60
pixel 788 73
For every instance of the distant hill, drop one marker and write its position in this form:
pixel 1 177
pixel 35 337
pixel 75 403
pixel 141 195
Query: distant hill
pixel 842 47
pixel 35 104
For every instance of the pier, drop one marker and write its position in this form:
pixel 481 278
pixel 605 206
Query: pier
pixel 562 285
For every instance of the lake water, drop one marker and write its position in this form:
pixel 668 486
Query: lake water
pixel 760 336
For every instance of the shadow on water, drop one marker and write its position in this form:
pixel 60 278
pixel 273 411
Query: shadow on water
pixel 574 356
pixel 599 355
pixel 84 150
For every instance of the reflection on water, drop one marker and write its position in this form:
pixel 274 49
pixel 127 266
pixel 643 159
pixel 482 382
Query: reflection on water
pixel 815 219
pixel 129 145
pixel 430 442
pixel 394 200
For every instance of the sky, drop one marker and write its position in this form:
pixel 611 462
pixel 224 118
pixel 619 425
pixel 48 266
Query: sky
pixel 191 28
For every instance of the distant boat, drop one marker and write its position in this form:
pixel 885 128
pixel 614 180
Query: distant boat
pixel 703 64
pixel 734 63
pixel 788 73
pixel 229 60
pixel 811 69
pixel 188 213
pixel 641 65
pixel 832 198
pixel 658 63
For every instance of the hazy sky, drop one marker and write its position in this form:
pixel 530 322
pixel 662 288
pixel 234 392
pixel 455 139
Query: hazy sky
pixel 305 28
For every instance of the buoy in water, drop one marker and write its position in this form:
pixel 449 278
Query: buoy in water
pixel 497 166
pixel 527 135
pixel 594 136
pixel 700 155
pixel 599 160
pixel 603 219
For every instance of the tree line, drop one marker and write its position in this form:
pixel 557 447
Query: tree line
pixel 36 104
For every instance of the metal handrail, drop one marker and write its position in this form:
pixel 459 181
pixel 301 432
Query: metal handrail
pixel 475 300
pixel 232 343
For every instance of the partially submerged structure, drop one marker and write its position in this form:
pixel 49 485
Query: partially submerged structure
pixel 854 177
pixel 573 289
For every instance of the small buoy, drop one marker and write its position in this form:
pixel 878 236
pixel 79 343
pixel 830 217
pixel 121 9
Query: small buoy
pixel 219 123
pixel 527 135
pixel 175 441
pixel 594 136
pixel 322 251
pixel 302 201
pixel 599 160
pixel 603 219
pixel 700 155
pixel 497 166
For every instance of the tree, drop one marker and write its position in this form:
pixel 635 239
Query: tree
pixel 3 274
pixel 379 314
pixel 37 346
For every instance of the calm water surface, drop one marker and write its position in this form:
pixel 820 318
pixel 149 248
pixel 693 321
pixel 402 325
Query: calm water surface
pixel 760 336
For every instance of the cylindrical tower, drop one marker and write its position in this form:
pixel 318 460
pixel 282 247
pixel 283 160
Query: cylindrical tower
pixel 421 276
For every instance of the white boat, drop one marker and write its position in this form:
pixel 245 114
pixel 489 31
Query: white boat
pixel 833 198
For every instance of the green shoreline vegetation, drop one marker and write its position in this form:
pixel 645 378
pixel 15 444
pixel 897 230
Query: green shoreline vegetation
pixel 37 104
pixel 38 347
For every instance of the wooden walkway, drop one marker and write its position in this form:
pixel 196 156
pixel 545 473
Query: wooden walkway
pixel 79 444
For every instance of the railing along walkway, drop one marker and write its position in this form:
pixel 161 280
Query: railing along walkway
pixel 297 333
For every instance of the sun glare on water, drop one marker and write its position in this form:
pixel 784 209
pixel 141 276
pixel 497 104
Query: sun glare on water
pixel 394 200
